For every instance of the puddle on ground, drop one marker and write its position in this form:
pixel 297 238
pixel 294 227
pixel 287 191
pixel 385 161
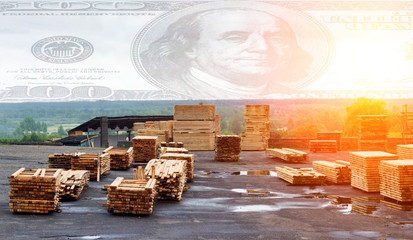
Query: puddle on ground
pixel 256 173
pixel 354 234
pixel 66 209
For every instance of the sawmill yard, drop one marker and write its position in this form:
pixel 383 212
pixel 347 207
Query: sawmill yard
pixel 226 200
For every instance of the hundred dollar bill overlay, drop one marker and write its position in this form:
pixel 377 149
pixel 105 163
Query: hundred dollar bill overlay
pixel 161 50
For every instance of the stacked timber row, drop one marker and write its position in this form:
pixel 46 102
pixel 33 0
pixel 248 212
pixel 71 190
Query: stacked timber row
pixel 365 169
pixel 189 158
pixel 170 176
pixel 228 148
pixel 338 172
pixel 35 190
pixel 138 126
pixel 96 164
pixel 287 154
pixel 145 148
pixel 173 150
pixel 405 151
pixel 301 176
pixel 396 180
pixel 60 160
pixel 163 135
pixel 373 132
pixel 172 144
pixel 323 145
pixel 131 196
pixel 120 158
pixel 330 136
pixel 195 126
pixel 257 125
pixel 72 183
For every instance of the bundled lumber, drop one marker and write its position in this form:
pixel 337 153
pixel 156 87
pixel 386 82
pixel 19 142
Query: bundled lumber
pixel 170 176
pixel 145 148
pixel 338 172
pixel 120 158
pixel 396 179
pixel 96 164
pixel 205 112
pixel 151 125
pixel 330 136
pixel 162 135
pixel 217 124
pixel 72 183
pixel 287 154
pixel 228 148
pixel 373 132
pixel 60 160
pixel 137 126
pixel 405 151
pixel 35 190
pixel 189 158
pixel 194 126
pixel 173 150
pixel 365 169
pixel 301 176
pixel 257 125
pixel 172 144
pixel 323 145
pixel 196 141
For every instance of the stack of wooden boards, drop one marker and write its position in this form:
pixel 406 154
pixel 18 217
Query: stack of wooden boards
pixel 145 148
pixel 396 179
pixel 60 160
pixel 162 135
pixel 257 125
pixel 323 145
pixel 301 176
pixel 35 190
pixel 373 132
pixel 405 151
pixel 96 164
pixel 72 183
pixel 173 150
pixel 228 148
pixel 365 169
pixel 189 158
pixel 172 144
pixel 195 126
pixel 337 172
pixel 330 136
pixel 131 196
pixel 170 177
pixel 161 129
pixel 120 158
pixel 287 154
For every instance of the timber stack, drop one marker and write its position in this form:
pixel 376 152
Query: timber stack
pixel 257 125
pixel 172 144
pixel 228 148
pixel 405 151
pixel 301 176
pixel 72 184
pixel 287 154
pixel 365 169
pixel 323 146
pixel 96 164
pixel 173 150
pixel 373 132
pixel 120 158
pixel 190 164
pixel 338 172
pixel 60 160
pixel 195 126
pixel 35 190
pixel 170 177
pixel 162 135
pixel 330 136
pixel 396 180
pixel 145 148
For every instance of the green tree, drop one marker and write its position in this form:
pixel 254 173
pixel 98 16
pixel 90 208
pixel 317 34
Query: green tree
pixel 235 125
pixel 61 131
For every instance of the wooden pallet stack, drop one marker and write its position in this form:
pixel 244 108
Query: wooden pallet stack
pixel 131 196
pixel 162 135
pixel 323 146
pixel 195 126
pixel 405 151
pixel 60 160
pixel 137 126
pixel 396 179
pixel 120 158
pixel 257 125
pixel 96 164
pixel 228 148
pixel 35 190
pixel 337 172
pixel 172 144
pixel 72 183
pixel 173 150
pixel 365 169
pixel 301 176
pixel 330 136
pixel 373 132
pixel 287 154
pixel 145 148
pixel 189 158
pixel 170 176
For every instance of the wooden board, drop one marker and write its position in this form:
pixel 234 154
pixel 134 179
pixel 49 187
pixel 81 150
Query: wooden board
pixel 196 141
pixel 60 160
pixel 287 154
pixel 301 176
pixel 73 183
pixel 190 162
pixel 323 145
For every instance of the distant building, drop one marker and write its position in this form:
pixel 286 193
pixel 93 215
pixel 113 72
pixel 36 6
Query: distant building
pixel 79 140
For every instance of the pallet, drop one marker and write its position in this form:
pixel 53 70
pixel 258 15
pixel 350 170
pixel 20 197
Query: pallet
pixel 301 176
pixel 287 154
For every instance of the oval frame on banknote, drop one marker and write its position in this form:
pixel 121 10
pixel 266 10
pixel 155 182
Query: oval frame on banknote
pixel 313 37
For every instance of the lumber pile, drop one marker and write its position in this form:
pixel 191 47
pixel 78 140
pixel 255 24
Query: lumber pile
pixel 195 126
pixel 35 190
pixel 172 144
pixel 173 150
pixel 405 151
pixel 330 136
pixel 145 148
pixel 228 148
pixel 137 126
pixel 72 183
pixel 323 145
pixel 373 132
pixel 60 160
pixel 396 179
pixel 338 172
pixel 120 158
pixel 365 169
pixel 170 176
pixel 257 125
pixel 301 176
pixel 162 135
pixel 218 124
pixel 189 158
pixel 287 154
pixel 96 164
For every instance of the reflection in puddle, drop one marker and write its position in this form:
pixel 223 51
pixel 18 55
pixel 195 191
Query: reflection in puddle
pixel 279 206
pixel 403 223
pixel 354 234
pixel 256 173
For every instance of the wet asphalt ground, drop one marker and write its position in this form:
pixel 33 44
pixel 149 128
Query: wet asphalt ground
pixel 223 202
